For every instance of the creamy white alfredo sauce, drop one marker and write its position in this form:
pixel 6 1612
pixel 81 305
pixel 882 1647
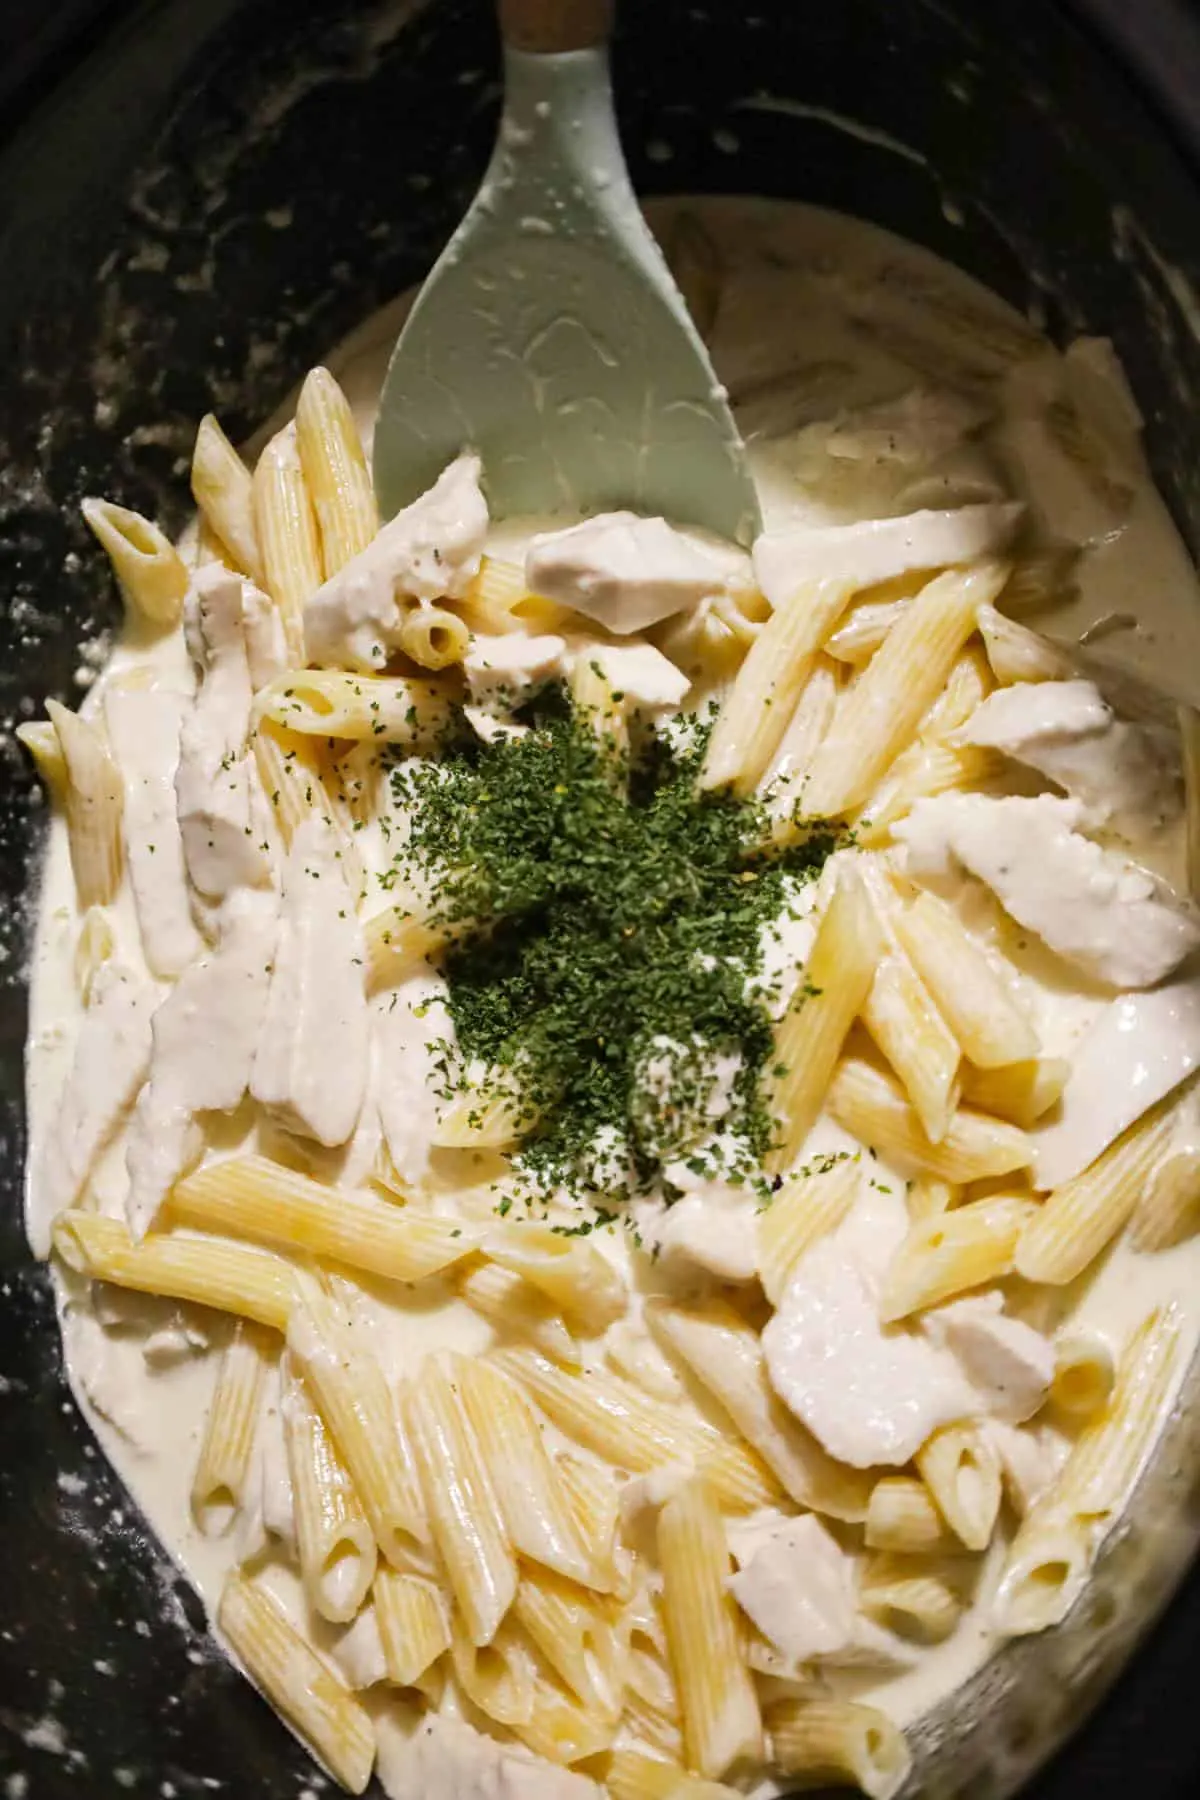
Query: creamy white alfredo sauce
pixel 899 419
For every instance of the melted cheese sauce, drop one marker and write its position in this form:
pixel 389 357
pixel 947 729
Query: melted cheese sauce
pixel 820 317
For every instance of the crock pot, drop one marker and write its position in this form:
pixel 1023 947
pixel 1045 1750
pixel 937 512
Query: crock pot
pixel 199 197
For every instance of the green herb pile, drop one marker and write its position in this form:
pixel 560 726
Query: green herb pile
pixel 602 908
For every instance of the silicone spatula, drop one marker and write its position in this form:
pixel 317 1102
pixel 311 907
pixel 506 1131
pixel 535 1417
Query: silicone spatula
pixel 550 336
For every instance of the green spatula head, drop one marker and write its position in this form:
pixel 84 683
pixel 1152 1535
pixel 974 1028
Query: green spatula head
pixel 550 336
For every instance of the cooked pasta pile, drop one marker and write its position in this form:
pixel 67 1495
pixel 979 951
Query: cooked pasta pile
pixel 616 1459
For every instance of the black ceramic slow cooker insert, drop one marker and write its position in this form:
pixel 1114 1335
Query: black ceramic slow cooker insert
pixel 197 199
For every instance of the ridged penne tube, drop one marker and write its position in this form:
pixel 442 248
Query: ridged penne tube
pixel 921 772
pixel 290 767
pixel 94 803
pixel 1083 1215
pixel 209 1271
pixel 400 938
pixel 927 1196
pixel 250 1196
pixel 560 1729
pixel 1022 1091
pixel 95 948
pixel 595 702
pixel 414 1624
pixel 577 1637
pixel 41 740
pixel 717 1697
pixel 810 1202
pixel 223 1466
pixel 912 1035
pixel 348 1385
pixel 832 991
pixel 903 1518
pixel 911 1597
pixel 499 601
pixel 594 1498
pixel 298 1683
pixel 949 1252
pixel 433 637
pixel 516 1308
pixel 335 470
pixel 966 984
pixel 968 685
pixel 1053 1551
pixel 1169 1209
pixel 783 784
pixel 1018 654
pixel 863 630
pixel 725 1355
pixel 572 1273
pixel 755 712
pixel 333 703
pixel 871 1106
pixel 838 1741
pixel 651 1702
pixel 611 1418
pixel 286 528
pixel 631 1775
pixel 959 1466
pixel 536 1512
pixel 882 711
pixel 464 1508
pixel 333 1537
pixel 485 1121
pixel 1189 747
pixel 497 1677
pixel 1084 1374
pixel 222 487
pixel 151 572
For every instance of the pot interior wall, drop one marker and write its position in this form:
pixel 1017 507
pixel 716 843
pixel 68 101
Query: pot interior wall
pixel 210 201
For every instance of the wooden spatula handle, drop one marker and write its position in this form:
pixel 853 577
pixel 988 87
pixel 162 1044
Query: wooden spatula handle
pixel 547 26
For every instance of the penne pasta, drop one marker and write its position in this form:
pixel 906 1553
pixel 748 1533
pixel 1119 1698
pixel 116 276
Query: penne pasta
pixel 498 600
pixel 966 985
pixel 911 1034
pixel 147 565
pixel 560 1729
pixel 1169 1209
pixel 717 1697
pixel 223 1466
pixel 41 740
pixel 400 939
pixel 223 489
pixel 573 1274
pixel 378 708
pixel 464 1508
pixel 911 1597
pixel 250 1196
pixel 498 1677
pixel 925 769
pixel 832 991
pixel 947 1253
pixel 94 802
pixel 208 1271
pixel 968 685
pixel 433 637
pixel 927 1197
pixel 723 1352
pixel 808 1204
pixel 298 1683
pixel 414 1624
pixel 517 1309
pixel 755 713
pixel 595 701
pixel 577 1637
pixel 1021 1091
pixel 348 1386
pixel 1058 1539
pixel 651 1702
pixel 335 471
pixel 882 711
pixel 610 1417
pixel 1083 1215
pixel 1083 1375
pixel 960 1468
pixel 869 1105
pixel 592 1494
pixel 286 528
pixel 537 1513
pixel 1018 654
pixel 95 948
pixel 903 1518
pixel 835 1741
pixel 334 1540
pixel 634 1776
